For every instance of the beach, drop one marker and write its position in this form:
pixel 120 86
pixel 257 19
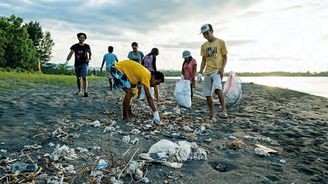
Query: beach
pixel 34 118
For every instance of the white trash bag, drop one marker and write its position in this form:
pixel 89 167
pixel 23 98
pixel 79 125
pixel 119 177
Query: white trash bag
pixel 143 94
pixel 232 89
pixel 182 93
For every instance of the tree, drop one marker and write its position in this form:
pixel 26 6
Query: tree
pixel 45 49
pixel 17 48
pixel 2 47
pixel 42 41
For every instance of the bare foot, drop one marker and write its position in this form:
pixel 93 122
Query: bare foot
pixel 212 114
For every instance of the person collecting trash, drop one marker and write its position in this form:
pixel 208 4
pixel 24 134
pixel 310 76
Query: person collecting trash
pixel 128 74
pixel 214 60
pixel 189 69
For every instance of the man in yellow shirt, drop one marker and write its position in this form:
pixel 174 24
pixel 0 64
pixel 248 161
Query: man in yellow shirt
pixel 128 74
pixel 214 58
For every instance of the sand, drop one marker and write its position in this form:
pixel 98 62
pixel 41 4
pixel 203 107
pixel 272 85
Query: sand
pixel 292 123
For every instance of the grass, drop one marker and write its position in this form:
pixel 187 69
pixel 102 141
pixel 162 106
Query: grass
pixel 12 79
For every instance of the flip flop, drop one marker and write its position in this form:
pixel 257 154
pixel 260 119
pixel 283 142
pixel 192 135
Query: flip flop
pixel 223 115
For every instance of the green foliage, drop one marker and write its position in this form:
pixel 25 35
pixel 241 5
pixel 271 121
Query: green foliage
pixel 42 41
pixel 11 78
pixel 23 45
pixel 45 49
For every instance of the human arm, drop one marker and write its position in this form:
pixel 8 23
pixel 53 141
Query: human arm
pixel 142 62
pixel 194 70
pixel 202 65
pixel 150 99
pixel 89 54
pixel 154 63
pixel 102 65
pixel 156 119
pixel 69 55
pixel 224 62
pixel 141 55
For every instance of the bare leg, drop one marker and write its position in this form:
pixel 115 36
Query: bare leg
pixel 210 105
pixel 127 103
pixel 221 99
pixel 85 84
pixel 139 91
pixel 78 83
pixel 110 84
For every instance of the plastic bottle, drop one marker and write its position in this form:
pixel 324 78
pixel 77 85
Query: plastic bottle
pixel 24 167
pixel 102 164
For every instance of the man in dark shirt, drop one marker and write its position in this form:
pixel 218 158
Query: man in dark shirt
pixel 82 54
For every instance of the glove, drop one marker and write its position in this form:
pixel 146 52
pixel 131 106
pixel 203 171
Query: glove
pixel 182 77
pixel 199 77
pixel 156 118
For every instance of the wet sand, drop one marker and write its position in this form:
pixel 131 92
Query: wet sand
pixel 290 122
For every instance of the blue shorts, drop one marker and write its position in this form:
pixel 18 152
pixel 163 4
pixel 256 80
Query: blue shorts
pixel 82 70
pixel 121 81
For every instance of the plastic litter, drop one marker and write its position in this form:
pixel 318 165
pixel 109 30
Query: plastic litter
pixel 182 93
pixel 95 123
pixel 102 164
pixel 232 89
pixel 23 167
pixel 174 152
pixel 63 152
pixel 263 151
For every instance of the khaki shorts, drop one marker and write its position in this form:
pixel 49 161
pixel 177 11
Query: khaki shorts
pixel 211 82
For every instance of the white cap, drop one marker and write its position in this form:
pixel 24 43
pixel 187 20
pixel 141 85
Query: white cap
pixel 205 27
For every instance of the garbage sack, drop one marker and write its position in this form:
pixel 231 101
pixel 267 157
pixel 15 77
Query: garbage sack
pixel 142 95
pixel 232 89
pixel 182 93
pixel 179 151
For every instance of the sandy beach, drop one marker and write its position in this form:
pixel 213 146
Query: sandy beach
pixel 35 118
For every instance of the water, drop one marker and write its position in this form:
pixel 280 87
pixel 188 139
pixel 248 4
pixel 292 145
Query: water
pixel 312 85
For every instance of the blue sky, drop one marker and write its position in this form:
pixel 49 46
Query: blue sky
pixel 261 35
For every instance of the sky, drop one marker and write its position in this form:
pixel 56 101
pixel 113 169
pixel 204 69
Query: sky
pixel 260 35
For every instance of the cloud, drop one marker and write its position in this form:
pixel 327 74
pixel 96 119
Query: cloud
pixel 182 45
pixel 239 42
pixel 271 58
pixel 110 16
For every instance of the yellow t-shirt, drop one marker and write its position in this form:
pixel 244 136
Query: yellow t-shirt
pixel 136 73
pixel 214 52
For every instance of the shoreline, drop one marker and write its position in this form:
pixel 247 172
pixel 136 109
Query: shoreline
pixel 314 85
pixel 293 123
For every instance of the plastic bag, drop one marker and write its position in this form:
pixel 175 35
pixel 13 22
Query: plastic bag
pixel 142 95
pixel 232 89
pixel 182 93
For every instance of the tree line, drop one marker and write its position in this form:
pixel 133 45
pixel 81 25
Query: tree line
pixel 23 45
